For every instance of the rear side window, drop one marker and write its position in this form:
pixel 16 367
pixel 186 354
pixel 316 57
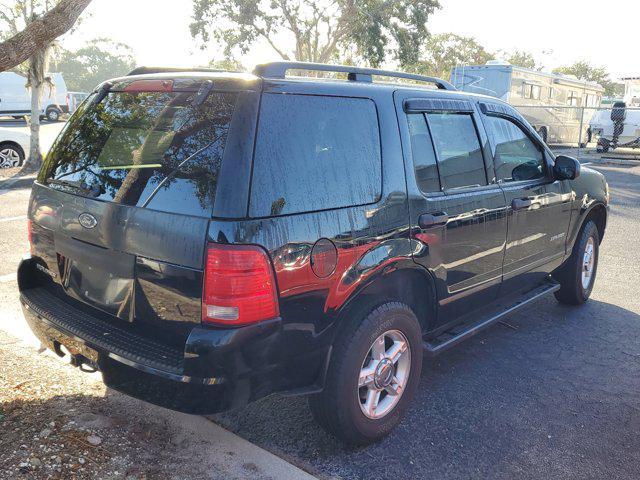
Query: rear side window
pixel 315 153
pixel 458 148
pixel 424 158
pixel 157 149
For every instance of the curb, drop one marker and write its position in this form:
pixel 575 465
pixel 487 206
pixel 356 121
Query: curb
pixel 16 183
pixel 617 161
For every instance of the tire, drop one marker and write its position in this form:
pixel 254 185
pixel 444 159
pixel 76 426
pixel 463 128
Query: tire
pixel 11 155
pixel 53 115
pixel 340 407
pixel 575 284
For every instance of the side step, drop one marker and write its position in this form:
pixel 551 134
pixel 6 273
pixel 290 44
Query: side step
pixel 457 334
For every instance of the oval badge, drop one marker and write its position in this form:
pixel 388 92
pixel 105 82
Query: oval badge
pixel 87 220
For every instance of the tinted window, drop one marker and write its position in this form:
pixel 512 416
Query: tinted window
pixel 424 158
pixel 314 153
pixel 163 149
pixel 459 153
pixel 517 157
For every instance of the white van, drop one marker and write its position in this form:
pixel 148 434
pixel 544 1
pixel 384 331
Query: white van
pixel 15 99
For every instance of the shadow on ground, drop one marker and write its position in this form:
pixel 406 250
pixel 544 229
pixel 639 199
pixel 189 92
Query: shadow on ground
pixel 556 396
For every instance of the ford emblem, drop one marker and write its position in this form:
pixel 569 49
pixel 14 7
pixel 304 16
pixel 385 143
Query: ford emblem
pixel 87 220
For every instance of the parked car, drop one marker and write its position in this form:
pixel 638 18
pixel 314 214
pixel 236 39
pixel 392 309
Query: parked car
pixel 13 147
pixel 206 239
pixel 15 99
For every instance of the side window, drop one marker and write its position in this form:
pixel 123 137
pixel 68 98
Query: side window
pixel 424 158
pixel 458 148
pixel 315 153
pixel 517 157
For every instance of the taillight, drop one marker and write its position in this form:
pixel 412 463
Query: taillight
pixel 30 235
pixel 239 286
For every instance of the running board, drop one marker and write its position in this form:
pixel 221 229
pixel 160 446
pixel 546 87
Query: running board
pixel 457 334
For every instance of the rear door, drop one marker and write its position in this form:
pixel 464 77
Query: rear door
pixel 539 206
pixel 457 210
pixel 122 204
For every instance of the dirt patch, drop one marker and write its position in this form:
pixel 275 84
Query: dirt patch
pixel 58 423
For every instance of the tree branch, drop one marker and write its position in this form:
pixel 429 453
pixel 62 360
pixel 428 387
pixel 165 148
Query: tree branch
pixel 40 32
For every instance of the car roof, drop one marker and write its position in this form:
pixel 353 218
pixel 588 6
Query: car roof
pixel 338 86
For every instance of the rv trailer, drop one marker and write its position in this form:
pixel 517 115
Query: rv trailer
pixel 551 102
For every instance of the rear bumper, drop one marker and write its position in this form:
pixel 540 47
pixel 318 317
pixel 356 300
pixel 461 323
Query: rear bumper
pixel 215 370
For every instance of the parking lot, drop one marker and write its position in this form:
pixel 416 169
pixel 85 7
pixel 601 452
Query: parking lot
pixel 550 393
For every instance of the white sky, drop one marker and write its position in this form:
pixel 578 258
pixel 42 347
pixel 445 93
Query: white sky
pixel 557 32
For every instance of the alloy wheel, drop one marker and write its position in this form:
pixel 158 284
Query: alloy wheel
pixel 384 374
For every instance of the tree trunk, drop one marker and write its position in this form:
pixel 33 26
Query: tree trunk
pixel 40 33
pixel 34 160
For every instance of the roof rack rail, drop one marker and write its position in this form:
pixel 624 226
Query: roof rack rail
pixel 149 70
pixel 354 74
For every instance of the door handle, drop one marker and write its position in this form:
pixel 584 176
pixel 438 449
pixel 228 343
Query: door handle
pixel 429 220
pixel 520 203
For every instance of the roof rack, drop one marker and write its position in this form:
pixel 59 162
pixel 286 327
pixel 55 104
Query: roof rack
pixel 149 70
pixel 354 74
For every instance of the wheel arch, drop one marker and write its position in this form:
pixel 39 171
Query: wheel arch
pixel 405 282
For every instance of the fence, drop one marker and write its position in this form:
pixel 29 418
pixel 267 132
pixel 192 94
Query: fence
pixel 603 129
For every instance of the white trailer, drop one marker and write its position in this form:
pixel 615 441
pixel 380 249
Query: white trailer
pixel 551 102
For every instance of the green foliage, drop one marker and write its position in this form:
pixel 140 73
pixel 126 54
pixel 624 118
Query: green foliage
pixel 442 52
pixel 94 63
pixel 228 64
pixel 519 58
pixel 307 30
pixel 585 71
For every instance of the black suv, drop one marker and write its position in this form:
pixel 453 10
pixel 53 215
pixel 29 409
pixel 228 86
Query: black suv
pixel 205 239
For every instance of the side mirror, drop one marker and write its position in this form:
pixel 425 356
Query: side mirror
pixel 566 168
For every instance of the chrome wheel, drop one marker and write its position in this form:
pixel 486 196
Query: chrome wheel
pixel 384 374
pixel 588 263
pixel 9 157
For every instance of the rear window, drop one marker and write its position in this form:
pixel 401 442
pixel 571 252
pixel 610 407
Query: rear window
pixel 161 150
pixel 315 153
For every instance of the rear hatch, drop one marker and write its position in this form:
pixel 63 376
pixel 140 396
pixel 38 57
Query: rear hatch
pixel 121 207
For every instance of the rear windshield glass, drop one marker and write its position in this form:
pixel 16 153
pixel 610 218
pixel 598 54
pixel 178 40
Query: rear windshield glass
pixel 161 150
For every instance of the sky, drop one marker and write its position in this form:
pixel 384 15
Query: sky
pixel 557 32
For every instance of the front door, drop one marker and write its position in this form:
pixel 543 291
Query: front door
pixel 539 207
pixel 457 212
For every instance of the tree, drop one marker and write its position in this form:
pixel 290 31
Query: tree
pixel 40 29
pixel 583 70
pixel 31 28
pixel 316 31
pixel 519 58
pixel 94 63
pixel 442 52
pixel 228 64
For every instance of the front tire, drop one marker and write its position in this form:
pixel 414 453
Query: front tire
pixel 578 274
pixel 374 371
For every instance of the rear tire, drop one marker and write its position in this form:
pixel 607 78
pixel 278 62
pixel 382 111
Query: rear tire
pixel 361 364
pixel 578 274
pixel 53 115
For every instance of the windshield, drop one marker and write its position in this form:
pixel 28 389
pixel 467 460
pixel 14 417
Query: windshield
pixel 161 150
